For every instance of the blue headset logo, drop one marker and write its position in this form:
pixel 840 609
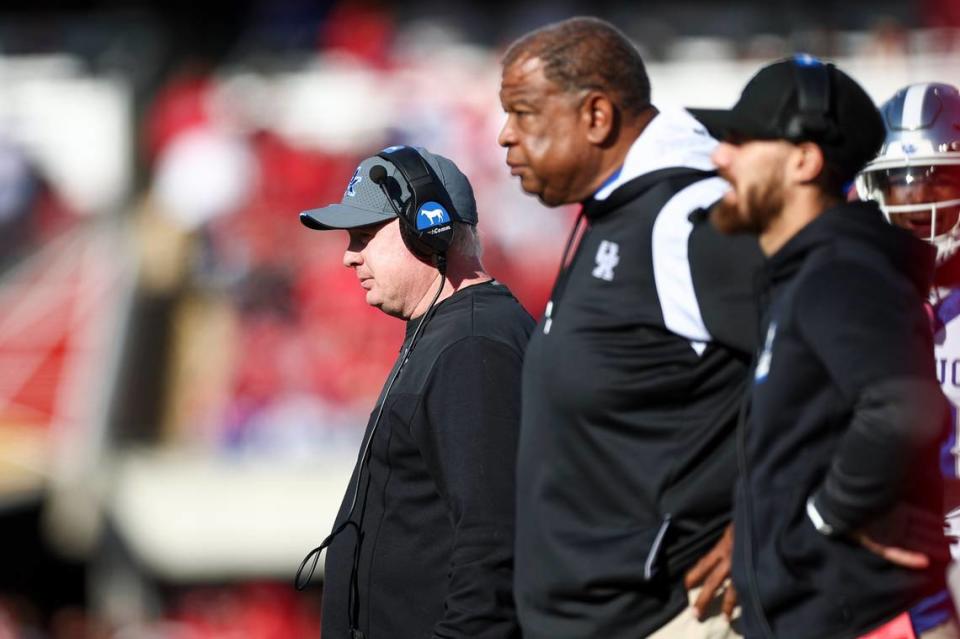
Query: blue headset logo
pixel 431 214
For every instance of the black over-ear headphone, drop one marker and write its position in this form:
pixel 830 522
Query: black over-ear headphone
pixel 812 78
pixel 426 220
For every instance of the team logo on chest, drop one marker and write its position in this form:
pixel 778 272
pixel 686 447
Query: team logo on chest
pixel 608 256
pixel 763 362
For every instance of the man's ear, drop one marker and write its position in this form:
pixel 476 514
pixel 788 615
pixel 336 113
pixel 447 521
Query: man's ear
pixel 598 115
pixel 807 163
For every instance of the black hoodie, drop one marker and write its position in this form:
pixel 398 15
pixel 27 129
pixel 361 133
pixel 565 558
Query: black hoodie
pixel 844 426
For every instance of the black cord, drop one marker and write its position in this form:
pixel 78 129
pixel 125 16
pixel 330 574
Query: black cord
pixel 566 255
pixel 314 554
pixel 563 273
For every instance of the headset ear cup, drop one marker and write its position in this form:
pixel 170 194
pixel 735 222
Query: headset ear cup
pixel 801 126
pixel 794 128
pixel 433 238
pixel 430 241
pixel 812 82
pixel 411 238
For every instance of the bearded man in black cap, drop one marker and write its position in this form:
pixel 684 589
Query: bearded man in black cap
pixel 423 543
pixel 837 523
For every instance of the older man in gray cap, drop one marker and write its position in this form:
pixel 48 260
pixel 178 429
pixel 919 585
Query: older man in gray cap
pixel 423 543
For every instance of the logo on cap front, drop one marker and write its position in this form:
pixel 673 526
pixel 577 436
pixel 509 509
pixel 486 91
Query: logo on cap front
pixel 431 214
pixel 354 181
pixel 806 60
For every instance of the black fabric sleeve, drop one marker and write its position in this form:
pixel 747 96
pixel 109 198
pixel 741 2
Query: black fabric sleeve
pixel 892 422
pixel 724 268
pixel 468 431
pixel 863 327
pixel 873 338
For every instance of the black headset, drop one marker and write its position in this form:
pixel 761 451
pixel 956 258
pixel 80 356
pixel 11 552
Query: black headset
pixel 812 79
pixel 426 218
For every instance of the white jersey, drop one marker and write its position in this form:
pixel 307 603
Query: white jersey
pixel 946 305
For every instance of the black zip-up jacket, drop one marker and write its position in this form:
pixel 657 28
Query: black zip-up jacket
pixel 846 417
pixel 631 387
pixel 435 509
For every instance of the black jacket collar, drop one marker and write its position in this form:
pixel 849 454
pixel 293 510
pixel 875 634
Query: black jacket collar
pixel 859 222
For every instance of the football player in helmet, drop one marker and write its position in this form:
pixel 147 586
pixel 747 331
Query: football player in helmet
pixel 916 181
pixel 916 177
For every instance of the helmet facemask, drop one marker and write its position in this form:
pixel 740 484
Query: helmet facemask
pixel 924 200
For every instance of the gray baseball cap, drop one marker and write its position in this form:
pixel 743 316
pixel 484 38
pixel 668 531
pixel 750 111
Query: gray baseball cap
pixel 365 204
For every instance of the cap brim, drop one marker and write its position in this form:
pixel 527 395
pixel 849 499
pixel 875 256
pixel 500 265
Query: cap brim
pixel 341 216
pixel 722 124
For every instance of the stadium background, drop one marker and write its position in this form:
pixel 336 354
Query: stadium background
pixel 184 370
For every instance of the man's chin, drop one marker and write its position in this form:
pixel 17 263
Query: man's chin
pixel 726 219
pixel 374 301
pixel 545 200
pixel 536 189
pixel 530 187
pixel 548 199
pixel 386 309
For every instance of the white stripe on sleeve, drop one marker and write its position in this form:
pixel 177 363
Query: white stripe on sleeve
pixel 671 266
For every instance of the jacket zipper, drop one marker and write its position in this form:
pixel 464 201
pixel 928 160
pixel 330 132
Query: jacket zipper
pixel 763 297
pixel 563 273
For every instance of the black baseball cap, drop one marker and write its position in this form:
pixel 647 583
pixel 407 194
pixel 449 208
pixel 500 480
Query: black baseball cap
pixel 365 204
pixel 802 99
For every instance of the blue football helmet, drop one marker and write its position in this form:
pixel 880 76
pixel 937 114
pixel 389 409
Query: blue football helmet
pixel 916 177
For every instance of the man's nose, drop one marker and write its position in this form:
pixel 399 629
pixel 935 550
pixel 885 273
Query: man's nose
pixel 722 155
pixel 507 135
pixel 351 258
pixel 918 194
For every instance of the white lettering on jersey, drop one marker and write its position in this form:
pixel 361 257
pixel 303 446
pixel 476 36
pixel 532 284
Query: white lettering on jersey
pixel 608 256
pixel 946 339
pixel 947 355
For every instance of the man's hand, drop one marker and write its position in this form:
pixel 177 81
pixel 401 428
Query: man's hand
pixel 893 554
pixel 905 524
pixel 712 574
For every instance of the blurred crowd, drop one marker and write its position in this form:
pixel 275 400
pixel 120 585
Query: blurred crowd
pixel 261 610
pixel 297 353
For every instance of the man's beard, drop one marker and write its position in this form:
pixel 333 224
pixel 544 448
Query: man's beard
pixel 763 205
